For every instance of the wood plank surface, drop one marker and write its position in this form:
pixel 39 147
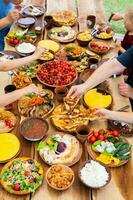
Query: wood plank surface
pixel 120 187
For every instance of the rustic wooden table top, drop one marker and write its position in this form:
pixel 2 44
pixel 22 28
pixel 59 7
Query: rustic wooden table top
pixel 120 187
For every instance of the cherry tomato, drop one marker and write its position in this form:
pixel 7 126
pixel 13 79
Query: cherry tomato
pixel 115 133
pixel 32 180
pixel 95 133
pixel 16 187
pixel 101 137
pixel 92 139
pixel 27 173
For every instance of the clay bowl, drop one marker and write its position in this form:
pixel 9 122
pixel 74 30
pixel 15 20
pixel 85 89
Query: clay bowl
pixel 66 168
pixel 83 43
pixel 107 169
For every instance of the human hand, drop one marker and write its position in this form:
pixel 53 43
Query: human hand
pixel 12 15
pixel 125 90
pixel 77 90
pixel 38 52
pixel 32 89
pixel 118 43
pixel 117 16
pixel 104 113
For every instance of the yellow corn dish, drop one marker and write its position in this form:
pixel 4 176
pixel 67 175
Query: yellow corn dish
pixel 95 99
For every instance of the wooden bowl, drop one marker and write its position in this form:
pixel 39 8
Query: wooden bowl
pixel 107 169
pixel 83 43
pixel 94 155
pixel 66 168
pixel 24 122
pixel 53 86
pixel 100 52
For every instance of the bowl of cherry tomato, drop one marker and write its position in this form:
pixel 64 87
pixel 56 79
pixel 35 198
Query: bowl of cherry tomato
pixel 57 73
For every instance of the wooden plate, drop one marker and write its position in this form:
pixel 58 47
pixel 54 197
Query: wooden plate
pixel 104 92
pixel 94 154
pixel 61 40
pixel 65 168
pixel 19 192
pixel 107 169
pixel 26 11
pixel 76 159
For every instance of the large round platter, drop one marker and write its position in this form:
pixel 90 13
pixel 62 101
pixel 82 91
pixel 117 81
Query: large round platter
pixel 7 121
pixel 30 11
pixel 75 158
pixel 12 163
pixel 48 64
pixel 64 18
pixel 10 147
pixel 70 37
pixel 94 154
pixel 37 110
pixel 63 120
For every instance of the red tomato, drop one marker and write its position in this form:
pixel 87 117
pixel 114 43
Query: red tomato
pixel 115 133
pixel 95 133
pixel 27 173
pixel 15 41
pixel 109 132
pixel 32 180
pixel 11 40
pixel 101 137
pixel 92 139
pixel 16 187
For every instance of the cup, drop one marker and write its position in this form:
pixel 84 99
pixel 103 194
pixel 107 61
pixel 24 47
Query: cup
pixel 91 20
pixel 61 92
pixel 93 60
pixel 48 19
pixel 82 133
pixel 8 89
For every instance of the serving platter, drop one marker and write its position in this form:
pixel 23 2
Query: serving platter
pixel 62 34
pixel 75 156
pixel 94 154
pixel 34 11
pixel 16 189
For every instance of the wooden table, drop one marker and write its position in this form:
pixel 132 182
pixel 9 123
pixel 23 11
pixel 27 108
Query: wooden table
pixel 120 187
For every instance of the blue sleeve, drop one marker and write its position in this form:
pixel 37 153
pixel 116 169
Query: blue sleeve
pixel 126 58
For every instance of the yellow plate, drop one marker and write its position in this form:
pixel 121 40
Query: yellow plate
pixel 9 146
pixel 49 45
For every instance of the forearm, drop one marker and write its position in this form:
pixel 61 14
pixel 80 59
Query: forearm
pixel 122 116
pixel 122 50
pixel 4 22
pixel 103 72
pixel 12 64
pixel 6 99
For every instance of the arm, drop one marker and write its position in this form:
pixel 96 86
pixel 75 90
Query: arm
pixel 103 72
pixel 12 16
pixel 12 64
pixel 6 99
pixel 118 116
pixel 117 16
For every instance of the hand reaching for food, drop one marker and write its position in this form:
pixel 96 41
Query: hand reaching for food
pixel 77 90
pixel 104 113
pixel 13 15
pixel 32 89
pixel 39 51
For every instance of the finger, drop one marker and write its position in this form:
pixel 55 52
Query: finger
pixel 71 91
